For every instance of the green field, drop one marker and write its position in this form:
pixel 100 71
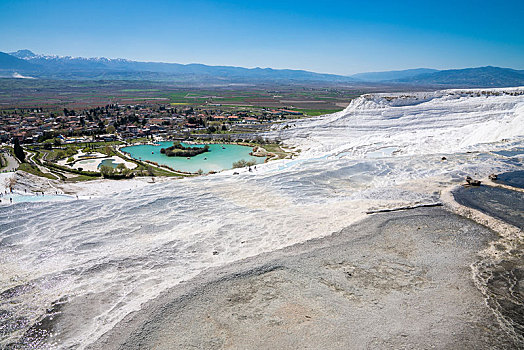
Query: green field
pixel 54 95
pixel 317 112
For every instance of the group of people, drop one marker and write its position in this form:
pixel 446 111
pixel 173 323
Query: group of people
pixel 41 193
pixel 6 193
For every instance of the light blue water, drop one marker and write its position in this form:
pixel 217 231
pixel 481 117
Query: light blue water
pixel 511 153
pixel 108 162
pixel 216 159
pixel 22 198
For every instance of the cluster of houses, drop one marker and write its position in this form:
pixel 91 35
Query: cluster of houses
pixel 126 121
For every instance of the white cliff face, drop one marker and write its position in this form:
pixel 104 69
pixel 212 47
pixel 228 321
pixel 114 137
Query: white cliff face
pixel 103 258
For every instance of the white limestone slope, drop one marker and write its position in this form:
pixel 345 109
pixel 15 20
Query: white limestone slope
pixel 444 121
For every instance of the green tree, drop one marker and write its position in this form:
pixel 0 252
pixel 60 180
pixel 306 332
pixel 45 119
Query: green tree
pixel 19 151
pixel 240 164
pixel 106 171
pixel 59 155
pixel 108 150
pixel 150 171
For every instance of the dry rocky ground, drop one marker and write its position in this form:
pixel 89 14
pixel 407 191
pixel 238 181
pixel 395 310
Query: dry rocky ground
pixel 398 280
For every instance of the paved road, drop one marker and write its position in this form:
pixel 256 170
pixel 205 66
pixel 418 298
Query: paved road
pixel 30 156
pixel 12 163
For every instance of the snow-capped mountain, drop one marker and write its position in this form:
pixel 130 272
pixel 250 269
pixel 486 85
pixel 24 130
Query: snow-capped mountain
pixel 68 67
pixel 25 62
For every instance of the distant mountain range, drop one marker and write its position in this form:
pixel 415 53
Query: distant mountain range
pixel 24 63
pixel 392 75
pixel 9 62
pixel 482 77
pixel 77 68
pixel 469 77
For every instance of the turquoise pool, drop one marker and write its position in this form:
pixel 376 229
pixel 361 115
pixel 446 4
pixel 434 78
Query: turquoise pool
pixel 22 198
pixel 219 157
pixel 108 162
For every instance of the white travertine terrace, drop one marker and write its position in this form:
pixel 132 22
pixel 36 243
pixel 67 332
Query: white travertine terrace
pixel 109 255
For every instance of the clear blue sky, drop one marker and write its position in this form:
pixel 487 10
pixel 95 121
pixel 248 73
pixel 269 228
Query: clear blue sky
pixel 342 37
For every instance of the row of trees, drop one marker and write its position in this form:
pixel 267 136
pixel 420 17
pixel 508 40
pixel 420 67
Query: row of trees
pixel 121 171
pixel 212 129
pixel 242 163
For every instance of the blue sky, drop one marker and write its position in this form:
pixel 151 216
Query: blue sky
pixel 342 37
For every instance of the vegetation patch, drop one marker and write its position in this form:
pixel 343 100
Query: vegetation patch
pixel 81 178
pixel 19 151
pixel 242 163
pixel 71 170
pixel 120 172
pixel 33 169
pixel 3 161
pixel 317 112
pixel 179 150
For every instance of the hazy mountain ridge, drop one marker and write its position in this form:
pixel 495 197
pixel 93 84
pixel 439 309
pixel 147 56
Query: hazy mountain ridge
pixel 392 75
pixel 67 67
pixel 10 62
pixel 481 76
pixel 488 76
pixel 25 62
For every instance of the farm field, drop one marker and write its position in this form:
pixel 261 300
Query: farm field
pixel 56 95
